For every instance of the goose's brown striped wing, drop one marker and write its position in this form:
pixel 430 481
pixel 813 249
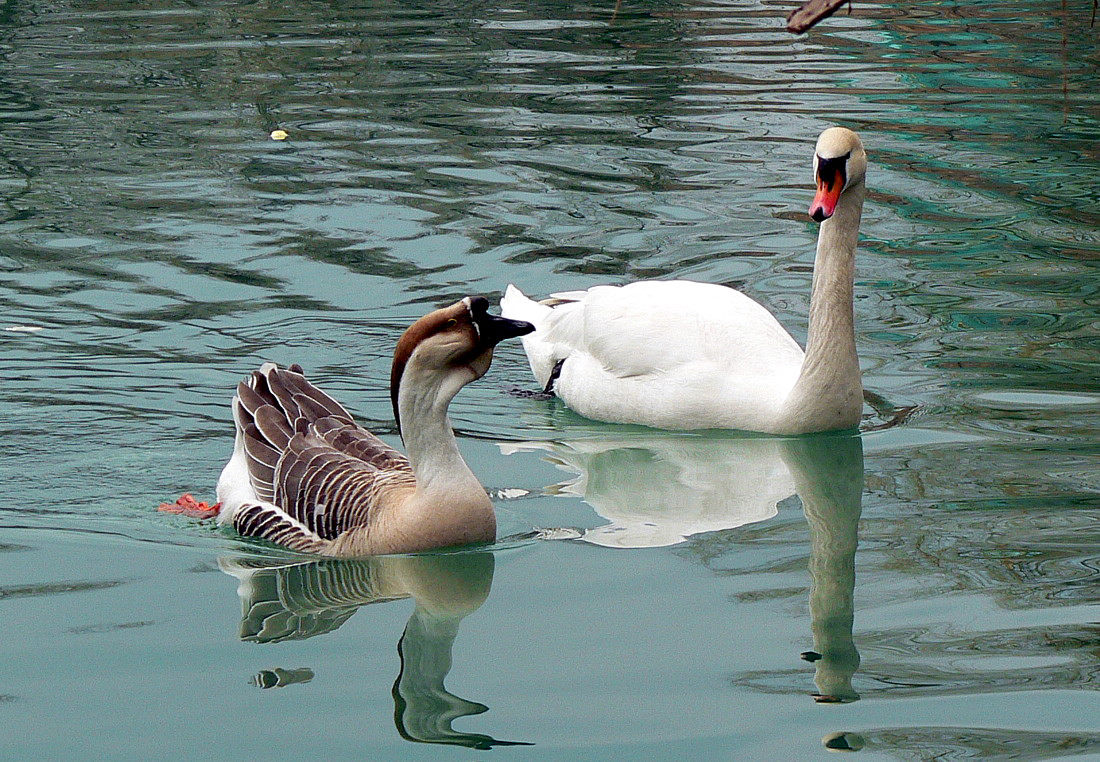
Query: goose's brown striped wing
pixel 354 440
pixel 319 493
pixel 320 473
pixel 267 522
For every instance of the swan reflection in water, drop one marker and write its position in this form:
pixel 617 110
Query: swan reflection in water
pixel 828 475
pixel 657 489
pixel 294 601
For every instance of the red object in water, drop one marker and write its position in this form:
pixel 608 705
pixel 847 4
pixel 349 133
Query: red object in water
pixel 189 506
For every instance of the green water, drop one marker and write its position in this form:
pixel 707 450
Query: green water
pixel 156 245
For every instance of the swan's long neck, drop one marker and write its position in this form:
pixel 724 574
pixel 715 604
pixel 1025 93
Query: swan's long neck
pixel 828 394
pixel 440 471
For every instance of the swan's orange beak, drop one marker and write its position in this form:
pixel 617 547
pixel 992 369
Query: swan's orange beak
pixel 828 193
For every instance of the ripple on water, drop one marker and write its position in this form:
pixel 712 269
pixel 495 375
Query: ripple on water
pixel 966 743
pixel 164 245
pixel 1024 400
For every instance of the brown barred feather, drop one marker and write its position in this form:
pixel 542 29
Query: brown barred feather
pixel 262 478
pixel 368 448
pixel 283 397
pixel 258 382
pixel 258 521
pixel 315 461
pixel 306 456
pixel 261 459
pixel 313 409
pixel 296 384
pixel 274 426
pixel 257 446
pixel 293 467
pixel 250 400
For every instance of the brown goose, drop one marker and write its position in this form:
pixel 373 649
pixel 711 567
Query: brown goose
pixel 304 475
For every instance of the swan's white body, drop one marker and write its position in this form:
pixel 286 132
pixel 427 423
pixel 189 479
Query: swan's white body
pixel 667 354
pixel 685 355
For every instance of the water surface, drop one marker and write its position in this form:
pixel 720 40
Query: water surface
pixel 156 245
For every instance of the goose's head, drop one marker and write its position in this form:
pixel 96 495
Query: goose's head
pixel 447 349
pixel 840 163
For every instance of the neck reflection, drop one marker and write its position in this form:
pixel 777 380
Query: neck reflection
pixel 828 475
pixel 658 489
pixel 294 601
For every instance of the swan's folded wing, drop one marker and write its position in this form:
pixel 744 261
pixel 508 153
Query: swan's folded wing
pixel 652 327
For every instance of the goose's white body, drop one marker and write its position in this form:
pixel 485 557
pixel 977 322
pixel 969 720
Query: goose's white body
pixel 684 355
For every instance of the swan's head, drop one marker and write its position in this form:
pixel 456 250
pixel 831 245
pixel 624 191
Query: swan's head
pixel 447 349
pixel 840 163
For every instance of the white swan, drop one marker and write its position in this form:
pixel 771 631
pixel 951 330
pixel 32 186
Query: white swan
pixel 686 355
pixel 303 474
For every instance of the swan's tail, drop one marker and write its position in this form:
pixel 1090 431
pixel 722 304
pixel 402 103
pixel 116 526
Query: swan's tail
pixel 541 354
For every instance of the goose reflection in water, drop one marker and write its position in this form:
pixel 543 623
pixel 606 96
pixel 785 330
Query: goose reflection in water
pixel 294 601
pixel 659 489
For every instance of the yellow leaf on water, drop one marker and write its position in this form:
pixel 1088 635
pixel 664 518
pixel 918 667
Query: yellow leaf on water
pixel 279 135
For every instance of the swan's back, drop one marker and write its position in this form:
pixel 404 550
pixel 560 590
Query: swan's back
pixel 684 355
pixel 658 326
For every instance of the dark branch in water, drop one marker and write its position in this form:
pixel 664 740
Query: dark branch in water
pixel 810 12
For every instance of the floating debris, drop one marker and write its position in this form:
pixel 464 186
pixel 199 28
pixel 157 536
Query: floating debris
pixel 844 742
pixel 557 533
pixel 280 678
pixel 279 135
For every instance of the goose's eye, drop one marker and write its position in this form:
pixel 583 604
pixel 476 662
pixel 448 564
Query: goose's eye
pixel 451 323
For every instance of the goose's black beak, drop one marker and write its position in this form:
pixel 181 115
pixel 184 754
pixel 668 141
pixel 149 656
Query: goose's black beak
pixel 493 329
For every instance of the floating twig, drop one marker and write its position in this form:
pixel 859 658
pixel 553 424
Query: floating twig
pixel 812 11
